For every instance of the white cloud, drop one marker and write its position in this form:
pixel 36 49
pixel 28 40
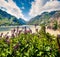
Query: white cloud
pixel 11 8
pixel 39 6
pixel 51 6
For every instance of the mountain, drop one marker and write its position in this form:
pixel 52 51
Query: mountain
pixel 44 18
pixel 7 19
pixel 56 15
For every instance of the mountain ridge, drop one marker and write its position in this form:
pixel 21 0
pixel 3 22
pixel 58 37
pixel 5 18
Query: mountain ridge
pixel 43 18
pixel 13 20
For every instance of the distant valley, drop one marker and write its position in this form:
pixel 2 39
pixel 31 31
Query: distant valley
pixel 47 18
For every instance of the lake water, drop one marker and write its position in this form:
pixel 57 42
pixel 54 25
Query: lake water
pixel 8 28
pixel 5 29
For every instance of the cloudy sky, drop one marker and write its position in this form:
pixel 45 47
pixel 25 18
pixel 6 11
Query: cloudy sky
pixel 27 9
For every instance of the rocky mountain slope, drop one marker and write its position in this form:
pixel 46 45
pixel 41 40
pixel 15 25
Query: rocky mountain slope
pixel 45 18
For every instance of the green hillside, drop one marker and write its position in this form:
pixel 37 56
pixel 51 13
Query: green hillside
pixel 44 18
pixel 7 19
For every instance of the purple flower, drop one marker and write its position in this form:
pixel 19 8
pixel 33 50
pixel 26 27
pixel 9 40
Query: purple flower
pixel 7 37
pixel 13 35
pixel 7 41
pixel 1 35
pixel 16 46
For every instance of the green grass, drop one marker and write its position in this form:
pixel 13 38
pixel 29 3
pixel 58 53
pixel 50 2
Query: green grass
pixel 30 45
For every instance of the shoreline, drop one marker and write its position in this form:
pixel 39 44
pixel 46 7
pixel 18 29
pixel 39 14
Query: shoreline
pixel 52 32
pixel 31 27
